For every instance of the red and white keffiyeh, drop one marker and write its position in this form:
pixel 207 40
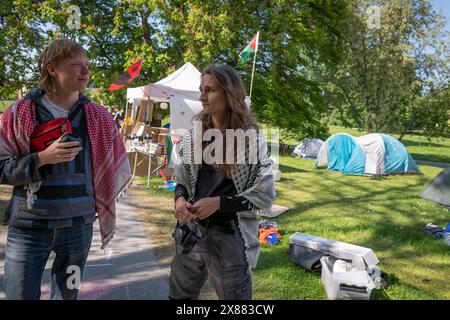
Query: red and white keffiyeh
pixel 111 170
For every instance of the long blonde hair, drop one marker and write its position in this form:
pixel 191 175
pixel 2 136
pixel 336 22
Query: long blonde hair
pixel 237 114
pixel 54 53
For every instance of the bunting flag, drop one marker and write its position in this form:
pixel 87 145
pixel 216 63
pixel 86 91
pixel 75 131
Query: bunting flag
pixel 250 50
pixel 126 78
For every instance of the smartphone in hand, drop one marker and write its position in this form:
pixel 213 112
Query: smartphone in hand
pixel 70 137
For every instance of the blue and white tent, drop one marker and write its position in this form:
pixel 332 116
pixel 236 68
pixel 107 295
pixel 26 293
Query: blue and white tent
pixel 372 154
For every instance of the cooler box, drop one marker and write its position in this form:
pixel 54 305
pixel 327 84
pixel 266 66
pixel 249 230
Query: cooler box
pixel 313 253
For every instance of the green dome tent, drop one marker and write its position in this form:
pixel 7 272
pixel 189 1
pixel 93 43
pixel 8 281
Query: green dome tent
pixel 438 190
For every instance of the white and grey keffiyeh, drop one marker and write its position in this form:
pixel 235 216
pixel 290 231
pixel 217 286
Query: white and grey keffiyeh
pixel 253 181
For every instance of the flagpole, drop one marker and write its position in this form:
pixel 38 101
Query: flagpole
pixel 254 62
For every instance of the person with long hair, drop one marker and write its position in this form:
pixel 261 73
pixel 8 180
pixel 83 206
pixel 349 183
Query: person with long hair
pixel 59 187
pixel 217 198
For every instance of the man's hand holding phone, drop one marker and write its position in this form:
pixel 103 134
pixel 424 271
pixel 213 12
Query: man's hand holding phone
pixel 64 149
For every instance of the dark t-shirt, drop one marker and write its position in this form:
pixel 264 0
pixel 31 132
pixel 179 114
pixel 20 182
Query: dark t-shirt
pixel 212 183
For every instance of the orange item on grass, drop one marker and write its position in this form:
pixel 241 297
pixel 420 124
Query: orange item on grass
pixel 263 233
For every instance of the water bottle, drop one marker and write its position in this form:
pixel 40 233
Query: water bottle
pixel 136 141
pixel 147 140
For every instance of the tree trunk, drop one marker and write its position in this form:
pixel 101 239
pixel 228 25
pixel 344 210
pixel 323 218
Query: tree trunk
pixel 145 27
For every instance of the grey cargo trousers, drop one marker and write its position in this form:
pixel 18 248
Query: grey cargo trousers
pixel 221 255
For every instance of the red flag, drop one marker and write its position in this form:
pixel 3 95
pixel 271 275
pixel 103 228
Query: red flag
pixel 126 78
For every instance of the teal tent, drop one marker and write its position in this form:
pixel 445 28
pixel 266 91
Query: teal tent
pixel 372 154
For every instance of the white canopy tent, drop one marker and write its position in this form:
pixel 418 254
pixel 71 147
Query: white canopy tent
pixel 180 89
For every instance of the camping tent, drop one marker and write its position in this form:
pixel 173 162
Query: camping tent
pixel 372 154
pixel 308 148
pixel 438 190
pixel 180 89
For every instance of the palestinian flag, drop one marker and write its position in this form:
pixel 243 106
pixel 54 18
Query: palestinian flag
pixel 126 78
pixel 250 50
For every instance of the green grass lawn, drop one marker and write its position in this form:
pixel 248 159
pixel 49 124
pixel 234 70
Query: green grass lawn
pixel 5 104
pixel 384 214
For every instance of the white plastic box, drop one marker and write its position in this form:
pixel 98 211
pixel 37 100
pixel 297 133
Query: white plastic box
pixel 348 285
pixel 355 283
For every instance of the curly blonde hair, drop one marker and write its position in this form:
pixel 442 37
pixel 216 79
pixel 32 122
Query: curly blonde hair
pixel 54 53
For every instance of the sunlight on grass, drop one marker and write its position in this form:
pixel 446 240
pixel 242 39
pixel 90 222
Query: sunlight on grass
pixel 385 214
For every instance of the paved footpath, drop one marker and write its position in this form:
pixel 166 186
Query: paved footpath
pixel 127 269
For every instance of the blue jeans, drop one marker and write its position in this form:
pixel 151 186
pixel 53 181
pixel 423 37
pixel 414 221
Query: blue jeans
pixel 27 252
